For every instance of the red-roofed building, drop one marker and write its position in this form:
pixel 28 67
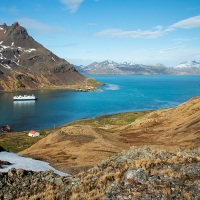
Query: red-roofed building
pixel 33 133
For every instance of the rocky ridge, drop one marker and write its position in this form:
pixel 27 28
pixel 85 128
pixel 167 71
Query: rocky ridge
pixel 111 67
pixel 25 64
pixel 139 173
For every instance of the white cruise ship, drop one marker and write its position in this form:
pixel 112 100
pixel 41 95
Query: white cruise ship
pixel 24 97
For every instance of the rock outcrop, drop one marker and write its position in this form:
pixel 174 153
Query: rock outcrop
pixel 139 173
pixel 25 64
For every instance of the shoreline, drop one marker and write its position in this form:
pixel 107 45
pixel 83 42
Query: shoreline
pixel 80 144
pixel 89 81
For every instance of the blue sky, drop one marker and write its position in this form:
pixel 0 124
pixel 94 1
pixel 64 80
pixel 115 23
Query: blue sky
pixel 138 31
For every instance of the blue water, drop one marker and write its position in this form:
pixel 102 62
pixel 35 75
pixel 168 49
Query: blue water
pixel 120 94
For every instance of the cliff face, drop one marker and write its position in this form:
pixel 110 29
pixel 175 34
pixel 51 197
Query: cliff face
pixel 25 64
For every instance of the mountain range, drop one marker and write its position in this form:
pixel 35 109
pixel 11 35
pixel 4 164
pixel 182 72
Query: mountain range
pixel 111 67
pixel 25 64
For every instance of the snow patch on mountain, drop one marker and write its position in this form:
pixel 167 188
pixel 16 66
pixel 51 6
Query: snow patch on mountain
pixel 6 66
pixel 111 67
pixel 189 64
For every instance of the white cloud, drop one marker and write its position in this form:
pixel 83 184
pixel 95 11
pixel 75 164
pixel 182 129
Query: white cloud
pixel 72 5
pixel 129 34
pixel 172 49
pixel 189 23
pixel 156 31
pixel 183 40
pixel 38 26
pixel 175 54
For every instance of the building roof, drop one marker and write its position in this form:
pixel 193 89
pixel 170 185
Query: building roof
pixel 32 132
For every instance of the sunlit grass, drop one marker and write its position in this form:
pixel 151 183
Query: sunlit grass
pixel 18 141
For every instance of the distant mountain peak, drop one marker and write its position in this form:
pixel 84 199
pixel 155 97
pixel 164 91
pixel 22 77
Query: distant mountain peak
pixel 111 67
pixel 107 62
pixel 188 64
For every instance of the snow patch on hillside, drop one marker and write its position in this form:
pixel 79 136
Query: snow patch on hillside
pixel 25 163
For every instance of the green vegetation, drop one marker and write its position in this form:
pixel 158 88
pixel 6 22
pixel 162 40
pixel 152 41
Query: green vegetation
pixel 18 141
pixel 115 120
pixel 93 82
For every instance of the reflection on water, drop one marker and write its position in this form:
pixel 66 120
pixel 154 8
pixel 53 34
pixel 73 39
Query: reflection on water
pixel 20 107
pixel 24 110
pixel 23 103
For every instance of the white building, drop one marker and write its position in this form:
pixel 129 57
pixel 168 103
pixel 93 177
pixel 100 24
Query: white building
pixel 33 133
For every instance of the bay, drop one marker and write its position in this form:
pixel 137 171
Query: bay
pixel 119 94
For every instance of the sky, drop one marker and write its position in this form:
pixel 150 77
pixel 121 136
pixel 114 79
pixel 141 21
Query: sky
pixel 85 31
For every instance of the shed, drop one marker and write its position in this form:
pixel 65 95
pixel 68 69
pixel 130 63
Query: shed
pixel 33 133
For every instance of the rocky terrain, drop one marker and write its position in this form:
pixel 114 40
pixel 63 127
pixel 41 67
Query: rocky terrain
pixel 80 146
pixel 26 65
pixel 139 173
pixel 111 67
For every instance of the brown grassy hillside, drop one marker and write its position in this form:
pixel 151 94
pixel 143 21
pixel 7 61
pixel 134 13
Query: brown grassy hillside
pixel 167 128
pixel 77 147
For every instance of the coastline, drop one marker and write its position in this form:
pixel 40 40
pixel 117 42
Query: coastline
pixel 88 81
pixel 92 146
pixel 81 144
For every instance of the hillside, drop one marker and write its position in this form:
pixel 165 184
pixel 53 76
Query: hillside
pixel 116 160
pixel 111 67
pixel 25 64
pixel 83 144
pixel 139 173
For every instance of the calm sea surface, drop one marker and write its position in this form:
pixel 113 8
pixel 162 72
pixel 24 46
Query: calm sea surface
pixel 120 94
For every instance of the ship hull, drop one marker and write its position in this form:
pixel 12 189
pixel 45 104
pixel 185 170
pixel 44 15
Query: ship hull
pixel 25 99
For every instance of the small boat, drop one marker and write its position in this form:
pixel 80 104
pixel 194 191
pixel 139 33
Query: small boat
pixel 5 128
pixel 24 97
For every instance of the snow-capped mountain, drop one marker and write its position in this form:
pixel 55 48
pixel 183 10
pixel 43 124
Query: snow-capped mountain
pixel 111 67
pixel 188 67
pixel 25 64
pixel 189 64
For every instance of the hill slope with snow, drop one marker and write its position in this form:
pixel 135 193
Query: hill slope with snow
pixel 25 64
